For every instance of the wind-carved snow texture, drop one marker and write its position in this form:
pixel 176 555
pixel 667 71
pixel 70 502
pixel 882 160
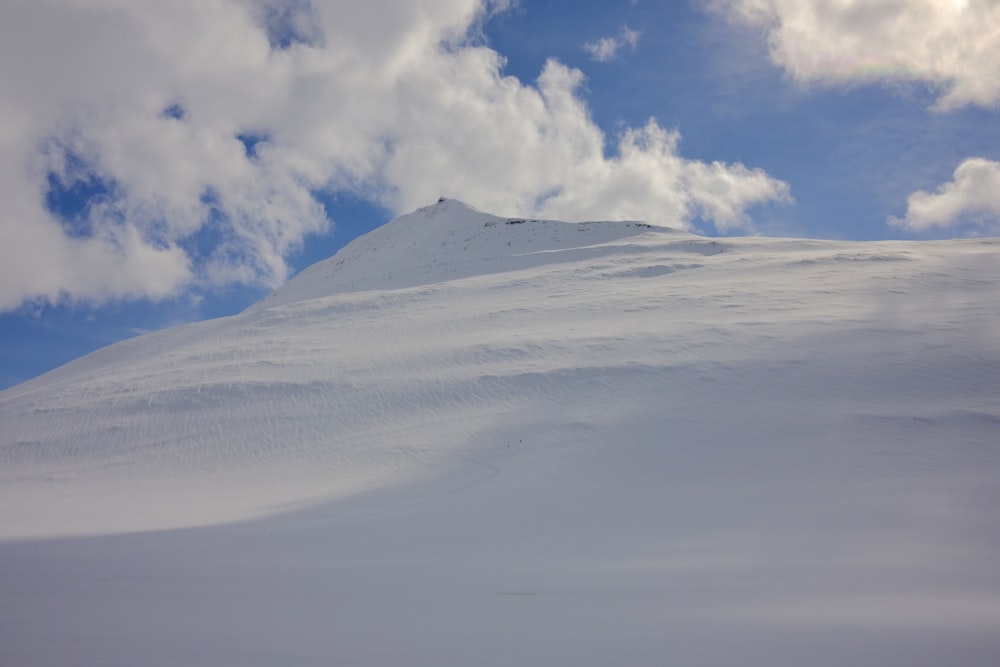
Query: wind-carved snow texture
pixel 468 439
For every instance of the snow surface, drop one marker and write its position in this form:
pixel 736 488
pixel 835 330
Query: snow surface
pixel 472 440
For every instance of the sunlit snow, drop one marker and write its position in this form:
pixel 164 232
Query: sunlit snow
pixel 473 440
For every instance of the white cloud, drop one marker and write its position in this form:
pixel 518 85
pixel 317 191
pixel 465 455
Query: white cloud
pixel 204 129
pixel 971 198
pixel 952 45
pixel 606 49
pixel 538 152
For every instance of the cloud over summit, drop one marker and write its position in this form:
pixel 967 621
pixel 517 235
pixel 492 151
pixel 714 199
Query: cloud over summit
pixel 151 146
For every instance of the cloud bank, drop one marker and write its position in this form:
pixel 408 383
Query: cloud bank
pixel 151 147
pixel 970 200
pixel 952 45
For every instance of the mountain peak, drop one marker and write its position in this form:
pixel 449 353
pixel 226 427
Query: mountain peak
pixel 447 203
pixel 449 240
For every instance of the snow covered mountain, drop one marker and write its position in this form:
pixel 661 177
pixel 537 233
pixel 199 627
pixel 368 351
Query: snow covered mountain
pixel 608 442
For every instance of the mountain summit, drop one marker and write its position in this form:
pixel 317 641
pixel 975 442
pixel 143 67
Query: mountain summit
pixel 451 240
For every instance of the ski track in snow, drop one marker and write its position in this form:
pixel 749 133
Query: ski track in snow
pixel 637 439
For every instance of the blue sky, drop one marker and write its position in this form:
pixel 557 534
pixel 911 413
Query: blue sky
pixel 169 162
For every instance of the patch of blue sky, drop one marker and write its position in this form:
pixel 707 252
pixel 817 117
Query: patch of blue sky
pixel 251 140
pixel 210 235
pixel 71 199
pixel 290 22
pixel 175 111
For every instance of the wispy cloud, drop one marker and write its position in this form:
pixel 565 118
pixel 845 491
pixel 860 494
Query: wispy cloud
pixel 951 45
pixel 607 48
pixel 192 138
pixel 971 200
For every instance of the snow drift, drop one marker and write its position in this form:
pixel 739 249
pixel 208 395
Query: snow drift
pixel 637 438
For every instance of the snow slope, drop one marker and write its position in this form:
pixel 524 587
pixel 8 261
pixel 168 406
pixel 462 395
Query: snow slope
pixel 467 439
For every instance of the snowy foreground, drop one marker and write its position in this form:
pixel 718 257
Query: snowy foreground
pixel 468 440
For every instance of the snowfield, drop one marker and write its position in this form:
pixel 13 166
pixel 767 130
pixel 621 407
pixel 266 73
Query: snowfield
pixel 473 440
